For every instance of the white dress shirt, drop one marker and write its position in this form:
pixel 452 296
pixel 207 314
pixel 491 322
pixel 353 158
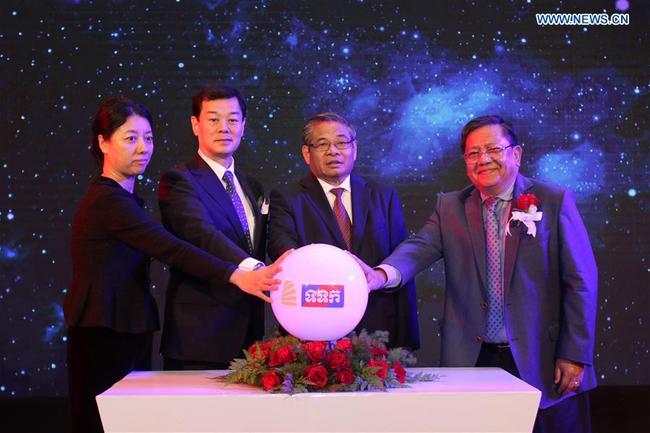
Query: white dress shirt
pixel 218 169
pixel 346 196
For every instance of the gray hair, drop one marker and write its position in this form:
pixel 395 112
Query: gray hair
pixel 308 129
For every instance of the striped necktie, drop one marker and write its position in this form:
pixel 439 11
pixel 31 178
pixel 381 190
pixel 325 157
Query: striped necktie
pixel 342 217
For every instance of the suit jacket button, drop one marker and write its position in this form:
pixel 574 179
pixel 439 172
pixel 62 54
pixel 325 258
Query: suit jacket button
pixel 478 338
pixel 484 305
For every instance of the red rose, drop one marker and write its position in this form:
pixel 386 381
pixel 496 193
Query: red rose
pixel 283 355
pixel 253 350
pixel 525 201
pixel 315 350
pixel 264 351
pixel 378 352
pixel 316 374
pixel 337 359
pixel 344 345
pixel 400 373
pixel 345 376
pixel 383 367
pixel 266 348
pixel 270 380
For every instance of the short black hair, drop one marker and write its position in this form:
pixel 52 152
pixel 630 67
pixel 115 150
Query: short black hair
pixel 112 114
pixel 491 119
pixel 216 91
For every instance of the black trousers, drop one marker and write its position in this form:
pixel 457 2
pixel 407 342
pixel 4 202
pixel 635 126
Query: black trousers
pixel 571 415
pixel 97 359
pixel 253 334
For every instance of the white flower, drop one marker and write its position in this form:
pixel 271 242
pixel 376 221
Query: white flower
pixel 528 218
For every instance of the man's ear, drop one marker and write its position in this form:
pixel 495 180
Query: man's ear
pixel 518 152
pixel 195 125
pixel 305 154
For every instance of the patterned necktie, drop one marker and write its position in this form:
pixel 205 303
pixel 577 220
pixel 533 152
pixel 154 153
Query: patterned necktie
pixel 494 277
pixel 239 207
pixel 342 217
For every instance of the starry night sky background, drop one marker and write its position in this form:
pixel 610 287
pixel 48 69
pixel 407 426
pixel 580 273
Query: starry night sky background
pixel 407 74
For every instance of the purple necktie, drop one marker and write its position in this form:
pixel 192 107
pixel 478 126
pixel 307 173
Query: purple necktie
pixel 239 207
pixel 342 217
pixel 494 277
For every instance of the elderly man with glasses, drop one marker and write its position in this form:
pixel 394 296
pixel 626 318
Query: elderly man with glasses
pixel 521 279
pixel 331 205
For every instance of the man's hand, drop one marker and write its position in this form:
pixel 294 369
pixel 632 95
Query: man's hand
pixel 568 375
pixel 376 278
pixel 261 280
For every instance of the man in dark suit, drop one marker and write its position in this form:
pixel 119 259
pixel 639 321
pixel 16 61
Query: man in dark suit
pixel 521 279
pixel 216 207
pixel 332 206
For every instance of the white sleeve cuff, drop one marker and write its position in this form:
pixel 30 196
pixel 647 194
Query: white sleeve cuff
pixel 394 278
pixel 250 264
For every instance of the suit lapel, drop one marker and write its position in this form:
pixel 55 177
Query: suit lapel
pixel 250 195
pixel 477 234
pixel 214 188
pixel 360 202
pixel 316 197
pixel 522 184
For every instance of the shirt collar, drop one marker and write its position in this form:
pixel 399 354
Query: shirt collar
pixel 327 187
pixel 506 195
pixel 218 169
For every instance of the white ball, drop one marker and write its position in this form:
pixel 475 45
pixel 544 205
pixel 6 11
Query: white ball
pixel 323 293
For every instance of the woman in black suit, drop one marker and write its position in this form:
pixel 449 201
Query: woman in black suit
pixel 110 312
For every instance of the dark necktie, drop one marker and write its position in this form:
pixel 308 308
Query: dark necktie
pixel 239 207
pixel 342 217
pixel 494 277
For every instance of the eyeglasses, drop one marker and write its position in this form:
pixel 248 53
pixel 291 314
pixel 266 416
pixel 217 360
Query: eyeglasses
pixel 340 145
pixel 495 152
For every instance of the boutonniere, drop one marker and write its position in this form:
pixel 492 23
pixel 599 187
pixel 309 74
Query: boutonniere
pixel 526 212
pixel 263 204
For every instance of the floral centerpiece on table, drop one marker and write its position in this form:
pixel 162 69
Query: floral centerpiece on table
pixel 355 363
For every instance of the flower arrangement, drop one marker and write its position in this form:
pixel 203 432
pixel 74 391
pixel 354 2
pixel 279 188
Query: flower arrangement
pixel 526 202
pixel 527 205
pixel 355 363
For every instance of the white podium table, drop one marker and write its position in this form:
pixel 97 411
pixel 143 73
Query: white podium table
pixel 463 400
